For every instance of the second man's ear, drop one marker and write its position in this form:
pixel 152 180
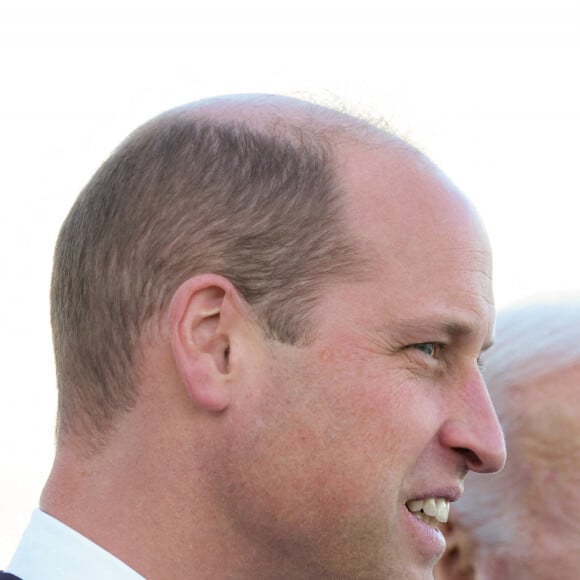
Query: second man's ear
pixel 201 321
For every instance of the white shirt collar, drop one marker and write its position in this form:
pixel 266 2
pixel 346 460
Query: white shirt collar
pixel 50 550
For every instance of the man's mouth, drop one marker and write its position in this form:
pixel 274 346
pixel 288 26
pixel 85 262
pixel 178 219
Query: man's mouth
pixel 432 510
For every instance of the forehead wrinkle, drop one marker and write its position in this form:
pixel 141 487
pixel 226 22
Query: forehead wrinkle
pixel 479 260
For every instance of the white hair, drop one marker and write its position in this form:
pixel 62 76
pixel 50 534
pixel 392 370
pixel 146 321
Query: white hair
pixel 532 342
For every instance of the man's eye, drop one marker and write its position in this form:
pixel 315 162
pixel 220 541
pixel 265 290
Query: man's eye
pixel 429 348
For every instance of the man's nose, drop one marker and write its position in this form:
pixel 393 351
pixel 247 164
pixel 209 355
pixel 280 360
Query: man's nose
pixel 473 430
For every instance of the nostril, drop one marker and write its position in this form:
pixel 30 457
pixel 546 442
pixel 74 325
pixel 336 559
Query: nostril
pixel 472 460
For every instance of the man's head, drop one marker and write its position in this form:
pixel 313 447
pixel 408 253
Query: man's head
pixel 212 187
pixel 280 309
pixel 519 523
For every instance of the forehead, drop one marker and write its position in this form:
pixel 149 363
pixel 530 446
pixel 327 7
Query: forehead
pixel 396 195
pixel 424 240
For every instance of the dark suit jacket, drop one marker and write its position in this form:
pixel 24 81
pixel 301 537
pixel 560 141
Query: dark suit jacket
pixel 6 576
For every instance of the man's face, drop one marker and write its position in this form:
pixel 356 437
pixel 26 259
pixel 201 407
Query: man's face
pixel 386 406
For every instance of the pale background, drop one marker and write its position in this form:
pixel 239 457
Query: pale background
pixel 488 89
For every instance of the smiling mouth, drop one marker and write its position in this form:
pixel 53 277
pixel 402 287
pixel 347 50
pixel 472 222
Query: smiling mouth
pixel 432 511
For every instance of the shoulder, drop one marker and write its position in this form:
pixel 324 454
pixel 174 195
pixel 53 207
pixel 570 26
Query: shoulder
pixel 7 576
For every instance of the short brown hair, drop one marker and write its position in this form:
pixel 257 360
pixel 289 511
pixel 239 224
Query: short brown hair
pixel 181 196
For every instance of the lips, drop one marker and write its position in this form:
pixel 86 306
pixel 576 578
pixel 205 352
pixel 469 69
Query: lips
pixel 426 539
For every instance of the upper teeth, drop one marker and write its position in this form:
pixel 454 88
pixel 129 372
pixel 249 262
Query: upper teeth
pixel 436 507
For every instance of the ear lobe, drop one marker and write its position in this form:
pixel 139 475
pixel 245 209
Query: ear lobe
pixel 457 563
pixel 200 339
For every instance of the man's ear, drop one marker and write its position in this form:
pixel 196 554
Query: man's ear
pixel 457 563
pixel 201 318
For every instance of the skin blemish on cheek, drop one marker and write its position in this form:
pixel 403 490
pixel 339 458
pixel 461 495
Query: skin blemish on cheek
pixel 325 355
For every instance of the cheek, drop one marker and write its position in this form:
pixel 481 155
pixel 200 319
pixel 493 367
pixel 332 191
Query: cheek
pixel 377 419
pixel 331 441
pixel 312 451
pixel 292 480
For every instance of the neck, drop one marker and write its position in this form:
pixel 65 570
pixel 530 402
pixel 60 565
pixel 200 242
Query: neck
pixel 145 513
